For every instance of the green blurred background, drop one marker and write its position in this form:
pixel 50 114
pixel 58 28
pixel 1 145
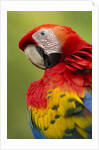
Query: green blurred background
pixel 20 72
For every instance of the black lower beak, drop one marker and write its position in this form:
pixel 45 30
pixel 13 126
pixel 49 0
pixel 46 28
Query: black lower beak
pixel 49 60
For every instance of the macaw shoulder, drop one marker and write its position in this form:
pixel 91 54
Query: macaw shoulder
pixel 35 94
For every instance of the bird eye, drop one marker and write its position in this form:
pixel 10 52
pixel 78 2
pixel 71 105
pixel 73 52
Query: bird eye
pixel 42 33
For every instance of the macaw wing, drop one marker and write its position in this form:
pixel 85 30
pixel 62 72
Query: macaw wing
pixel 75 116
pixel 64 117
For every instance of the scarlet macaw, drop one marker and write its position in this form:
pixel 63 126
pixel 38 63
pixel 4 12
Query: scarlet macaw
pixel 59 105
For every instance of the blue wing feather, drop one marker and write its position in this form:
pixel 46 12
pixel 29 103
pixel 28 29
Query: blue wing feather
pixel 36 133
pixel 88 101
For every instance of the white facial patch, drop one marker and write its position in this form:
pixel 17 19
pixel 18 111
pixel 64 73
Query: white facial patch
pixel 47 40
pixel 34 56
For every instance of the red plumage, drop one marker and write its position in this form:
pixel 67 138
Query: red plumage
pixel 74 68
pixel 60 103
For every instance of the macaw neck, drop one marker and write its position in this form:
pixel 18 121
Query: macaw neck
pixel 58 68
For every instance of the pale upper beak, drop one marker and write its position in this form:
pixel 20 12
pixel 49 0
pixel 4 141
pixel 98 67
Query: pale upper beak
pixel 35 55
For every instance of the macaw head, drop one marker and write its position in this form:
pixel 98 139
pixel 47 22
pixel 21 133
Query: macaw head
pixel 49 44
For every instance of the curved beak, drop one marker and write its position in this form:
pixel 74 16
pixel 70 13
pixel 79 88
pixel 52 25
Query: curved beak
pixel 37 57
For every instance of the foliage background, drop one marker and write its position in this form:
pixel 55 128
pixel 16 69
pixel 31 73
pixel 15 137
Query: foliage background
pixel 20 72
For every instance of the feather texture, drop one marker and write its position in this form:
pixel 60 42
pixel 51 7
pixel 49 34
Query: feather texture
pixel 60 103
pixel 63 116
